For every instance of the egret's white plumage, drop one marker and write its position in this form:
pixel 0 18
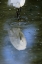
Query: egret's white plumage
pixel 17 38
pixel 16 3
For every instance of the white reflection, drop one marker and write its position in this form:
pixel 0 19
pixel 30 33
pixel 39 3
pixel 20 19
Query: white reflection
pixel 17 38
pixel 13 56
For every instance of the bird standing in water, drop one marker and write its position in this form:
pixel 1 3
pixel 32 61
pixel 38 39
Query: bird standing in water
pixel 17 4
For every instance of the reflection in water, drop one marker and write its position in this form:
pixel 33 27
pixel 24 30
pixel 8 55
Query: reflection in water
pixel 16 57
pixel 13 56
pixel 17 38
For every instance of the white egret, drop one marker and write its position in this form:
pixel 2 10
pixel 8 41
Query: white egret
pixel 17 4
pixel 17 38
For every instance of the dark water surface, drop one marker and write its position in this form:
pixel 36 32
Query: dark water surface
pixel 31 26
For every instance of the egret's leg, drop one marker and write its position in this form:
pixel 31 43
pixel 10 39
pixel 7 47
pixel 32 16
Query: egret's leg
pixel 20 9
pixel 18 13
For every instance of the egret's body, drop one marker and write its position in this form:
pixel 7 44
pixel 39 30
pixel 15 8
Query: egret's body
pixel 16 3
pixel 17 38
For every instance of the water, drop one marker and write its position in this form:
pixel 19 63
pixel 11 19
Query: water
pixel 31 27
